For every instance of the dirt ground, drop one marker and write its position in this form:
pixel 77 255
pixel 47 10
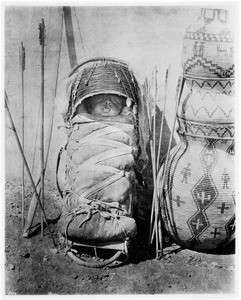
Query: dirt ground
pixel 34 267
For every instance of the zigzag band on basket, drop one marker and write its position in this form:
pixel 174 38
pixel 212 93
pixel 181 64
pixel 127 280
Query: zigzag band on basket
pixel 215 69
pixel 208 37
pixel 202 130
pixel 225 85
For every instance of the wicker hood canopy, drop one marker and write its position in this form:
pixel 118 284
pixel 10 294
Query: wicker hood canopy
pixel 101 76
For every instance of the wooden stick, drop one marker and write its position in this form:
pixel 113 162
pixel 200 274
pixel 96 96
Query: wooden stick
pixel 26 164
pixel 70 36
pixel 151 147
pixel 36 137
pixel 152 226
pixel 160 250
pixel 155 199
pixel 82 42
pixel 148 105
pixel 155 209
pixel 179 90
pixel 153 229
pixel 160 254
pixel 22 64
pixel 42 43
pixel 154 121
pixel 156 230
pixel 158 165
pixel 56 29
pixel 162 121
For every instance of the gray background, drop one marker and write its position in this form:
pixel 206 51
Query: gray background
pixel 145 37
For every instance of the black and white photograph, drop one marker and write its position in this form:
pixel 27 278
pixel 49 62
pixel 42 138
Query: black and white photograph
pixel 119 148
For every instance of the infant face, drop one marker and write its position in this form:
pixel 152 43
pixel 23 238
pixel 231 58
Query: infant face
pixel 106 105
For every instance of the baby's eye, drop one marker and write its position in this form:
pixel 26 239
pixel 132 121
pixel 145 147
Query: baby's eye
pixel 99 100
pixel 116 102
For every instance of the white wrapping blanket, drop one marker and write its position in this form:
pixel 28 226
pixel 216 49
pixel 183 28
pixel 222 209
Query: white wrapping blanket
pixel 97 167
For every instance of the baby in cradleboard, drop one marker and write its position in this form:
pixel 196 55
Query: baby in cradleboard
pixel 101 153
pixel 108 107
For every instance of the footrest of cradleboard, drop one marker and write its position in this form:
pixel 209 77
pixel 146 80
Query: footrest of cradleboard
pixel 118 249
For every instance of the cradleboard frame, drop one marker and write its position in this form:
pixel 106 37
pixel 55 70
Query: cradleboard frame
pixel 118 79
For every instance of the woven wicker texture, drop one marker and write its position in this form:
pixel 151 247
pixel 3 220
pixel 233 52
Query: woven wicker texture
pixel 222 85
pixel 101 76
pixel 208 47
pixel 206 106
pixel 106 77
pixel 198 206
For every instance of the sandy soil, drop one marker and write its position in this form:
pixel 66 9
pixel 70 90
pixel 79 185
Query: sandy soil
pixel 34 266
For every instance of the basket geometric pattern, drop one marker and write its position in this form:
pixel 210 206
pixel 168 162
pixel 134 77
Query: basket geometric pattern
pixel 225 86
pixel 198 210
pixel 208 37
pixel 198 207
pixel 210 114
pixel 204 194
pixel 206 130
pixel 211 67
pixel 208 48
pixel 207 106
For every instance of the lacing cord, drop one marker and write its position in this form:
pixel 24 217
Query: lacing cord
pixel 97 138
pixel 116 148
pixel 91 207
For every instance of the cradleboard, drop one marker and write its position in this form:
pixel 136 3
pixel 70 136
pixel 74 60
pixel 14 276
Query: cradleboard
pixel 105 128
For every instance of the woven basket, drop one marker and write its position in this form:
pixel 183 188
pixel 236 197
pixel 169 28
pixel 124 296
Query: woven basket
pixel 208 50
pixel 198 207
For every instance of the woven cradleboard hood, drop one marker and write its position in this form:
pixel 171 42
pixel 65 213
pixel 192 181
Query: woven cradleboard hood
pixel 101 76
